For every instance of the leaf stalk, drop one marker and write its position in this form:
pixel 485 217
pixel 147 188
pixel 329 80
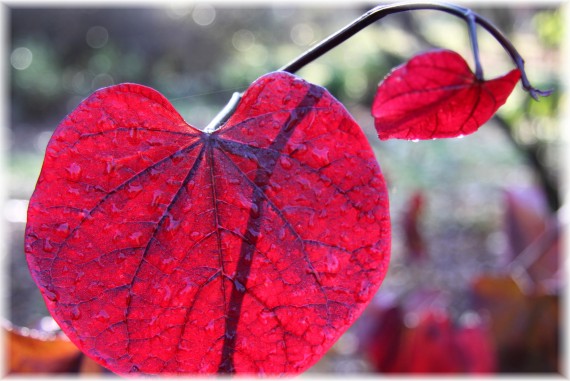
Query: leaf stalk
pixel 380 11
pixel 376 14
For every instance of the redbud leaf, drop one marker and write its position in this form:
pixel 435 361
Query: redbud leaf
pixel 162 249
pixel 436 95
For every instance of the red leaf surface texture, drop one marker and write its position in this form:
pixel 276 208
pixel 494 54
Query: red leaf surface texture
pixel 435 95
pixel 162 249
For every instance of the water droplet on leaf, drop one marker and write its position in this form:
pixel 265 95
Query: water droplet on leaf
pixel 74 171
pixel 240 287
pixel 75 313
pixel 332 263
pixel 51 294
pixel 135 188
pixel 285 162
pixel 48 247
pixel 102 316
pixel 364 294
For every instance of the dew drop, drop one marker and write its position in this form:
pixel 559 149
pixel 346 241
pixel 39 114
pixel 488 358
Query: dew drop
pixel 75 313
pixel 281 234
pixel 243 201
pixel 134 135
pixel 321 155
pixel 230 333
pixel 80 275
pixel 276 187
pixel 135 188
pixel 329 334
pixel 167 294
pixel 28 248
pixel 120 258
pixel 110 167
pixel 51 294
pixel 210 326
pixel 234 181
pixel 187 289
pixel 174 182
pixel 300 148
pixel 364 293
pixel 156 198
pixel 48 247
pixel 205 368
pixel 103 124
pixel 254 210
pixel 177 157
pixel 285 162
pixel 115 209
pixel 252 232
pixel 266 315
pixel 135 237
pixel 74 171
pixel 102 316
pixel 248 255
pixel 187 206
pixel 172 224
pixel 332 264
pixel 154 173
pixel 240 287
pixel 135 369
pixel 63 228
pixel 155 142
pixel 118 235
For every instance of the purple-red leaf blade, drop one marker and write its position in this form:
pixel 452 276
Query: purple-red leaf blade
pixel 162 249
pixel 435 95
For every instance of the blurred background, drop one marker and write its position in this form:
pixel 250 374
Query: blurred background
pixel 475 280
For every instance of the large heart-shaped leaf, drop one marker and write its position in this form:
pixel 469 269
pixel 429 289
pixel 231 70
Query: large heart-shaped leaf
pixel 435 95
pixel 160 248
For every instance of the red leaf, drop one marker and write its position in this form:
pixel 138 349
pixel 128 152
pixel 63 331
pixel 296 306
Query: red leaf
pixel 428 347
pixel 163 249
pixel 384 339
pixel 414 238
pixel 477 349
pixel 435 95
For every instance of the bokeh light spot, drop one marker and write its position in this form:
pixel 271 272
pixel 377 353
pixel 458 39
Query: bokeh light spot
pixel 302 34
pixel 21 58
pixel 204 14
pixel 97 37
pixel 243 40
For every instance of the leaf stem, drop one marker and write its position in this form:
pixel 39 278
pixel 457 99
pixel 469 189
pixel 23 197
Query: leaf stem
pixel 472 27
pixel 224 114
pixel 381 11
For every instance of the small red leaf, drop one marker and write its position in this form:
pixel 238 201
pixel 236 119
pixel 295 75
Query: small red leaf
pixel 163 249
pixel 435 95
pixel 413 236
